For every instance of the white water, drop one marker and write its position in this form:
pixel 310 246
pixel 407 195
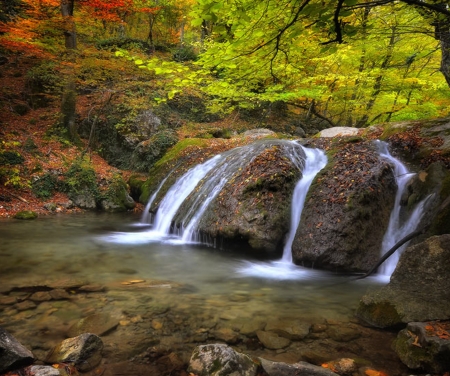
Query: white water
pixel 316 160
pixel 283 269
pixel 178 193
pixel 146 216
pixel 396 228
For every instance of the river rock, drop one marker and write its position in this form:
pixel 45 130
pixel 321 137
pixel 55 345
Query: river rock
pixel 99 324
pixel 252 211
pixel 12 353
pixel 347 209
pixel 297 369
pixel 342 334
pixel 419 289
pixel 425 346
pixel 339 132
pixel 220 360
pixel 289 328
pixel 272 340
pixel 43 371
pixel 84 351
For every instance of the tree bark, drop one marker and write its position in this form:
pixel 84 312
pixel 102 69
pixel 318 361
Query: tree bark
pixel 69 97
pixel 442 34
pixel 69 24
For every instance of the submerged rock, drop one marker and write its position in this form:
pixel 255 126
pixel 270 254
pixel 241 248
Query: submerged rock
pixel 12 353
pixel 297 369
pixel 419 289
pixel 347 210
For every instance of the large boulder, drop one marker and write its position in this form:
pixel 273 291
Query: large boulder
pixel 252 209
pixel 419 289
pixel 347 209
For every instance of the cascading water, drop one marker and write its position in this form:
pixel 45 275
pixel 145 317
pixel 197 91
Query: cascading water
pixel 316 160
pixel 178 193
pixel 396 229
pixel 146 215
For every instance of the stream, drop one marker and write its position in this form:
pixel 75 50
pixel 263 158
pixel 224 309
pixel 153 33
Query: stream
pixel 169 295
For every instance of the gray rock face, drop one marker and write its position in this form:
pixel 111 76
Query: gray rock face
pixel 85 200
pixel 419 346
pixel 84 351
pixel 419 289
pixel 12 353
pixel 220 360
pixel 347 211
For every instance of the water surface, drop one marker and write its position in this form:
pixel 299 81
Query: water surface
pixel 204 288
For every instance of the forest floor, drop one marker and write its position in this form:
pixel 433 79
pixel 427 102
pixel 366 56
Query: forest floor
pixel 27 131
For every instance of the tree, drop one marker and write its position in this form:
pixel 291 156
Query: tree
pixel 347 56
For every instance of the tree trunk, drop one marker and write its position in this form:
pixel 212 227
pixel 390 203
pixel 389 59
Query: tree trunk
pixel 69 24
pixel 442 34
pixel 69 97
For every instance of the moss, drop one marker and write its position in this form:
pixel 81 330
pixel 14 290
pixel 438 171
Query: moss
pixel 175 152
pixel 379 314
pixel 413 356
pixel 26 214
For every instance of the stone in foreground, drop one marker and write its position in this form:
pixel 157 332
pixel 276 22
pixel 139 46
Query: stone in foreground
pixel 425 346
pixel 220 360
pixel 12 354
pixel 84 352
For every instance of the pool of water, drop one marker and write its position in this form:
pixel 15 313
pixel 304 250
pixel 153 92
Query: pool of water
pixel 159 288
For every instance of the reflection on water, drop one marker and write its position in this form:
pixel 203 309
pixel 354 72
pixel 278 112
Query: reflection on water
pixel 110 249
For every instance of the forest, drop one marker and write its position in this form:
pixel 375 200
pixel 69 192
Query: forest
pixel 83 70
pixel 244 177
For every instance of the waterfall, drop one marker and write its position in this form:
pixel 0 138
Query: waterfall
pixel 396 229
pixel 146 216
pixel 178 193
pixel 315 161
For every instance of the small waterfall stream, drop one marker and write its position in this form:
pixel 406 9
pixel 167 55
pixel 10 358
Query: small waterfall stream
pixel 316 160
pixel 396 228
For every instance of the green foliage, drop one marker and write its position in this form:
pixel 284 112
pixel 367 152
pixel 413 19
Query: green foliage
pixel 184 53
pixel 44 78
pixel 132 44
pixel 11 176
pixel 173 153
pixel 45 186
pixel 79 178
pixel 10 158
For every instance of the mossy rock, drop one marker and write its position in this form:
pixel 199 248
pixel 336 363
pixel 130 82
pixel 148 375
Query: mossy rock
pixel 26 214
